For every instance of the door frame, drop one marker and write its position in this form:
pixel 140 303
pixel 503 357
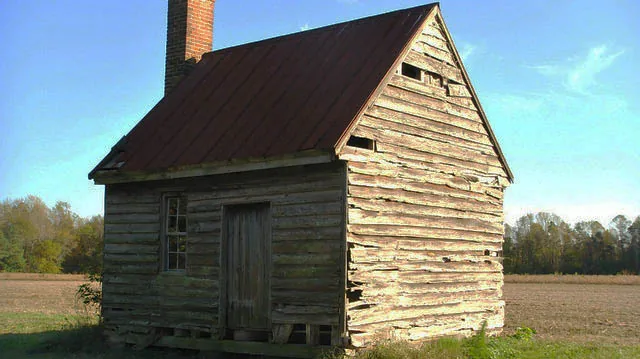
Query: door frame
pixel 224 262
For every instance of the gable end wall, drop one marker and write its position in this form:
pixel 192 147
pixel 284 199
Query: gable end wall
pixel 424 208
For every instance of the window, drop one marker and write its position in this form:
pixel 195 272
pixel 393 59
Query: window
pixel 411 71
pixel 175 238
pixel 361 142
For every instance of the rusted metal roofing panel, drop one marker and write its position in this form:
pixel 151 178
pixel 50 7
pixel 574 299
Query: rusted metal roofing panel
pixel 273 97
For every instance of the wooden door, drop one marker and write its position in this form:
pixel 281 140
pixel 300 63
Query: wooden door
pixel 247 230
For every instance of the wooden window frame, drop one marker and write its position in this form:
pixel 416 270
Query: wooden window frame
pixel 179 233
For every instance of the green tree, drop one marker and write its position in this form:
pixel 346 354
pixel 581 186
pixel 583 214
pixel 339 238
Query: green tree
pixel 11 255
pixel 86 256
pixel 47 256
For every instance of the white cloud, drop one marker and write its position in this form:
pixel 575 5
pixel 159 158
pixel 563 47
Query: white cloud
pixel 467 51
pixel 578 74
pixel 304 27
pixel 582 75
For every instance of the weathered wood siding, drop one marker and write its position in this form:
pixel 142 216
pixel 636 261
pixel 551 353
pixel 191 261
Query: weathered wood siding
pixel 425 208
pixel 307 212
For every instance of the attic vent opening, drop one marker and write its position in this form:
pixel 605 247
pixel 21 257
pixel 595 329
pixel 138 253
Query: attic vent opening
pixel 361 142
pixel 411 71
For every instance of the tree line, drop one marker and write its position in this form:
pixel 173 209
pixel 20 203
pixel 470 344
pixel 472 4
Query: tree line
pixel 543 243
pixel 41 239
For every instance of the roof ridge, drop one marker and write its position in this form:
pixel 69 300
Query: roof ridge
pixel 425 8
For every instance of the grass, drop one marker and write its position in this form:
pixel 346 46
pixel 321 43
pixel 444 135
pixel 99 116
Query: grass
pixel 480 347
pixel 573 317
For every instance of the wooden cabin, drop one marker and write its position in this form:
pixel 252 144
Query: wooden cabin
pixel 332 187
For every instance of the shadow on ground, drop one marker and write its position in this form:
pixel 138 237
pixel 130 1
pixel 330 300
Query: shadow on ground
pixel 87 343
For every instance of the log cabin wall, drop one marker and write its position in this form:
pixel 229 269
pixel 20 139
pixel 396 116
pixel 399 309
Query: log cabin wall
pixel 425 206
pixel 143 302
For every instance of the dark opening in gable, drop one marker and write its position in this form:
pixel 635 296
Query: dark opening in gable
pixel 411 71
pixel 361 142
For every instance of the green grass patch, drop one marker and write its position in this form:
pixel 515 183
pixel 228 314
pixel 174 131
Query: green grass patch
pixel 521 345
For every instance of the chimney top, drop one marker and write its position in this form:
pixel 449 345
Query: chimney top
pixel 189 36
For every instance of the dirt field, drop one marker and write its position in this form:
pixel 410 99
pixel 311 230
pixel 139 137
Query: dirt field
pixel 38 293
pixel 562 309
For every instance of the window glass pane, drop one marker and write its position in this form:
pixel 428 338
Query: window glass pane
pixel 182 206
pixel 173 261
pixel 181 261
pixel 172 206
pixel 173 243
pixel 182 224
pixel 182 244
pixel 171 225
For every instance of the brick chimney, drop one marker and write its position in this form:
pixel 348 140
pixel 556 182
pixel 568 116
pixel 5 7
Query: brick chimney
pixel 189 36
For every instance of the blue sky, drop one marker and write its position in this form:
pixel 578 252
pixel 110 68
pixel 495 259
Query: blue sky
pixel 558 80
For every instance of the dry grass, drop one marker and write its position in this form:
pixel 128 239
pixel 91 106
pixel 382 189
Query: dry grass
pixel 573 279
pixel 579 313
pixel 33 293
pixel 43 277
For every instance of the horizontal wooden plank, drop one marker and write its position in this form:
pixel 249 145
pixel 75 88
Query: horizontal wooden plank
pixel 422 232
pixel 132 208
pixel 302 234
pixel 142 268
pixel 421 277
pixel 359 216
pixel 445 215
pixel 123 248
pixel 306 247
pixel 378 166
pixel 425 112
pixel 326 271
pixel 478 177
pixel 296 297
pixel 426 99
pixel 115 196
pixel 383 124
pixel 412 262
pixel 131 257
pixel 132 228
pixel 312 221
pixel 151 238
pixel 309 259
pixel 403 300
pixel 439 94
pixel 422 185
pixel 307 208
pixel 379 288
pixel 425 199
pixel 422 244
pixel 388 313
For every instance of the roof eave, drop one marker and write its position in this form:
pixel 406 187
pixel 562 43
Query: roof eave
pixel 310 157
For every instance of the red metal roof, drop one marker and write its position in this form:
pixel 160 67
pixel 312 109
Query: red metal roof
pixel 273 97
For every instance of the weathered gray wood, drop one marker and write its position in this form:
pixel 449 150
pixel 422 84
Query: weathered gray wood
pixel 281 333
pixel 247 237
pixel 312 334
